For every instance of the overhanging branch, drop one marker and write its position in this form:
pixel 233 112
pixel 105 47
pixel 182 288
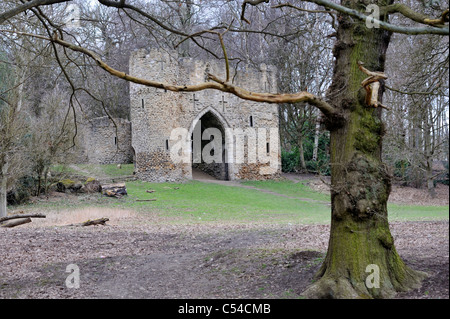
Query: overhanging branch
pixel 216 84
pixel 444 30
pixel 415 16
pixel 26 6
pixel 253 3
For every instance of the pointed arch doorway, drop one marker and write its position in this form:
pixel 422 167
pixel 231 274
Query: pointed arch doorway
pixel 209 155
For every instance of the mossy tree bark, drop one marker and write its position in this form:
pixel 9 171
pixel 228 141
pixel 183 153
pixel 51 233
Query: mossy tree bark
pixel 360 235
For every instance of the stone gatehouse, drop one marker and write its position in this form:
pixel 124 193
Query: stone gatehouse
pixel 218 133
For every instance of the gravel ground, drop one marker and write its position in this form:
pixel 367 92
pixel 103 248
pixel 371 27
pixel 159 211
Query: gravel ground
pixel 194 261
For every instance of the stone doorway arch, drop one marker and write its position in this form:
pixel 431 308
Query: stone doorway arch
pixel 209 154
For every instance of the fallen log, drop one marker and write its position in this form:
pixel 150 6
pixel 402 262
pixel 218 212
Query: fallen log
pixel 146 200
pixel 4 219
pixel 17 223
pixel 100 221
pixel 114 190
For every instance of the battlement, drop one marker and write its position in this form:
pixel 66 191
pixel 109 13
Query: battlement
pixel 167 66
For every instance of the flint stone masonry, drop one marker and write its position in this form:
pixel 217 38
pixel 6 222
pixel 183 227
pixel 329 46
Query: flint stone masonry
pixel 106 143
pixel 155 113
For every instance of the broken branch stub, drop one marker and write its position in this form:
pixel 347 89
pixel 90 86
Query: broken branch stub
pixel 372 86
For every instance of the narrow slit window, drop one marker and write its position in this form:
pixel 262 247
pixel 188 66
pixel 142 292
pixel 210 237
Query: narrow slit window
pixel 251 121
pixel 115 140
pixel 143 103
pixel 167 145
pixel 268 148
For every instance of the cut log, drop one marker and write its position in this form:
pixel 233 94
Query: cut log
pixel 114 190
pixel 17 222
pixel 100 221
pixel 4 219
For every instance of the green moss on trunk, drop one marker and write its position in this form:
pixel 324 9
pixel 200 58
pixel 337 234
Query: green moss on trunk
pixel 360 235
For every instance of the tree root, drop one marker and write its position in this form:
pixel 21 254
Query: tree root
pixel 328 287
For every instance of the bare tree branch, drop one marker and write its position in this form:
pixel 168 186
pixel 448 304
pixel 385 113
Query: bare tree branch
pixel 28 5
pixel 288 5
pixel 253 3
pixel 444 30
pixel 123 5
pixel 217 84
pixel 415 16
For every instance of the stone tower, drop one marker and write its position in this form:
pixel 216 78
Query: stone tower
pixel 218 133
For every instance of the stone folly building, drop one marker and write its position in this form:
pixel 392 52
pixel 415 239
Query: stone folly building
pixel 218 133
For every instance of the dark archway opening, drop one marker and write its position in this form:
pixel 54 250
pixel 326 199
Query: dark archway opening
pixel 209 154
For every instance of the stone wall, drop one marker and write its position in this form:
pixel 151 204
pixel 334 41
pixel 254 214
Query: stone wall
pixel 155 113
pixel 106 143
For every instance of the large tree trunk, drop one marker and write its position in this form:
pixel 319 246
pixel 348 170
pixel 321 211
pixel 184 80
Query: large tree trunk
pixel 360 238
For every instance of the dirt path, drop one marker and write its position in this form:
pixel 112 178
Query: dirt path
pixel 194 261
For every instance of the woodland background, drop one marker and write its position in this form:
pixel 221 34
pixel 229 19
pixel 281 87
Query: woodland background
pixel 45 90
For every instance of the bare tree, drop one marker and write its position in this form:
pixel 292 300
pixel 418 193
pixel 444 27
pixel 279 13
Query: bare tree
pixel 52 137
pixel 13 129
pixel 417 126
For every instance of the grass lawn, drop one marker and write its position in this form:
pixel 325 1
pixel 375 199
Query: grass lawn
pixel 396 212
pixel 196 202
pixel 417 213
pixel 289 188
pixel 95 170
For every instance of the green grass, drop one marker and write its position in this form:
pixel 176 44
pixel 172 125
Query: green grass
pixel 208 202
pixel 62 169
pixel 417 213
pixel 197 201
pixel 289 188
pixel 95 170
pixel 396 212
